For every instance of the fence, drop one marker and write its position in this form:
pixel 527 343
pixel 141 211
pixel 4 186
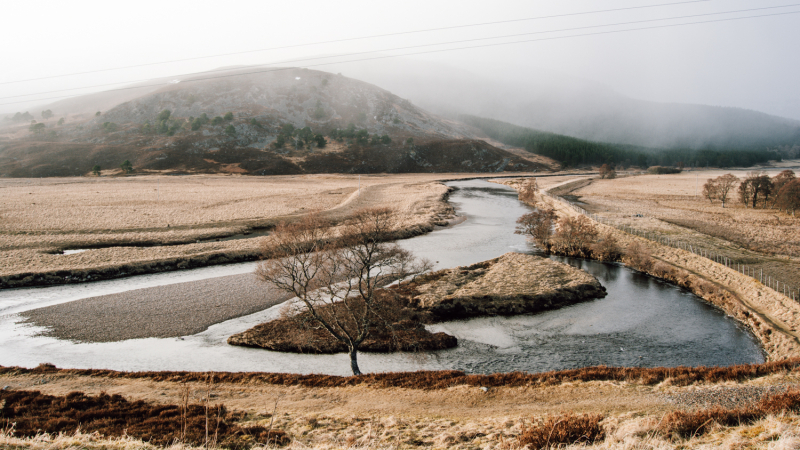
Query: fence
pixel 778 286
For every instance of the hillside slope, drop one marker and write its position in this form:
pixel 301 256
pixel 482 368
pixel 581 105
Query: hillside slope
pixel 282 121
pixel 570 105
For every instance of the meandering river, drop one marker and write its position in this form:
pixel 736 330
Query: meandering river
pixel 642 321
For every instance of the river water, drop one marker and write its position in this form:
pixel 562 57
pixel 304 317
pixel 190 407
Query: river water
pixel 642 321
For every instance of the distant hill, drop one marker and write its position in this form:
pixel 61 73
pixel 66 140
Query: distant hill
pixel 236 121
pixel 568 105
pixel 573 151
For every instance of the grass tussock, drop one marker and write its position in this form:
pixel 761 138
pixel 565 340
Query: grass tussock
pixel 565 429
pixel 444 379
pixel 686 424
pixel 33 413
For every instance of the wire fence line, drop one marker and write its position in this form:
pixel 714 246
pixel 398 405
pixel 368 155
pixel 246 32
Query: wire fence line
pixel 779 286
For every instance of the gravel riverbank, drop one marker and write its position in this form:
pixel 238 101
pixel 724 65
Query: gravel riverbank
pixel 163 311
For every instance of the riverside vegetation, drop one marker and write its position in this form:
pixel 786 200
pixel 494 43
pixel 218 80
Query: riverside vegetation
pixel 585 408
pixel 772 317
pixel 511 284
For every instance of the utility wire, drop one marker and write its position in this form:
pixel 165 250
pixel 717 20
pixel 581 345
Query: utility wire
pixel 437 51
pixel 461 41
pixel 400 33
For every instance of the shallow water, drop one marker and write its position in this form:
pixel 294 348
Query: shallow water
pixel 642 322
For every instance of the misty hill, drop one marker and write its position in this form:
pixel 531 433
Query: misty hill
pixel 237 121
pixel 572 106
pixel 573 151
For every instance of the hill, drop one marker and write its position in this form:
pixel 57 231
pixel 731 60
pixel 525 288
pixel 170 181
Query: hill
pixel 282 121
pixel 573 151
pixel 566 104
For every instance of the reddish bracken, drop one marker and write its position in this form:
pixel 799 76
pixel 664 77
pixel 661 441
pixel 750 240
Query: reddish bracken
pixel 113 416
pixel 444 379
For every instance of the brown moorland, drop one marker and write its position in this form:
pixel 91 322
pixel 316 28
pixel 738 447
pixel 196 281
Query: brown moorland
pixel 149 223
pixel 465 411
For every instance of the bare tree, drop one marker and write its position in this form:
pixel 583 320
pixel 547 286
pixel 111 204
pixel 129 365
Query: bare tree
pixel 607 171
pixel 779 181
pixel 711 190
pixel 574 236
pixel 724 185
pixel 336 276
pixel 788 198
pixel 528 190
pixel 538 227
pixel 607 248
pixel 756 184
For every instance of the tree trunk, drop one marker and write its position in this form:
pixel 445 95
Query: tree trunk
pixel 354 360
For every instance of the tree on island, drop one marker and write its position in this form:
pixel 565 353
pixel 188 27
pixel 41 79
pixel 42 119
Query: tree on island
pixel 337 275
pixel 96 170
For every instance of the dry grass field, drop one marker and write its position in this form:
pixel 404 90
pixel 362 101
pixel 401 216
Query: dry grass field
pixel 459 417
pixel 137 220
pixel 771 316
pixel 672 205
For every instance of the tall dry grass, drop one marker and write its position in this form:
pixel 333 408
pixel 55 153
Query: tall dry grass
pixel 127 214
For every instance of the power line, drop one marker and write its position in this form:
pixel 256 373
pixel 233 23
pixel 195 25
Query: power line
pixel 400 33
pixel 436 51
pixel 416 46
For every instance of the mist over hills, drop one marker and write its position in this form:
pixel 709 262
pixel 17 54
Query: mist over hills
pixel 281 121
pixel 573 106
pixel 259 121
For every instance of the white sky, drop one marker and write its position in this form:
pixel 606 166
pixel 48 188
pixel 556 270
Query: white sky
pixel 751 63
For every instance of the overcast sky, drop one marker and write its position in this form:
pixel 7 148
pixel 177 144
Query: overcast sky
pixel 752 63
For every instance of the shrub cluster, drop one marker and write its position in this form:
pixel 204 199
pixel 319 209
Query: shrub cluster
pixel 564 430
pixel 114 416
pixel 572 236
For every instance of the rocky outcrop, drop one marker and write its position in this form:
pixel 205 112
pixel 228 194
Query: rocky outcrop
pixel 511 284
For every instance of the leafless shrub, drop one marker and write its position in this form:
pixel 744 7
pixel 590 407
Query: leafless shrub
pixel 528 190
pixel 538 227
pixel 638 257
pixel 607 248
pixel 607 171
pixel 574 236
pixel 662 270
